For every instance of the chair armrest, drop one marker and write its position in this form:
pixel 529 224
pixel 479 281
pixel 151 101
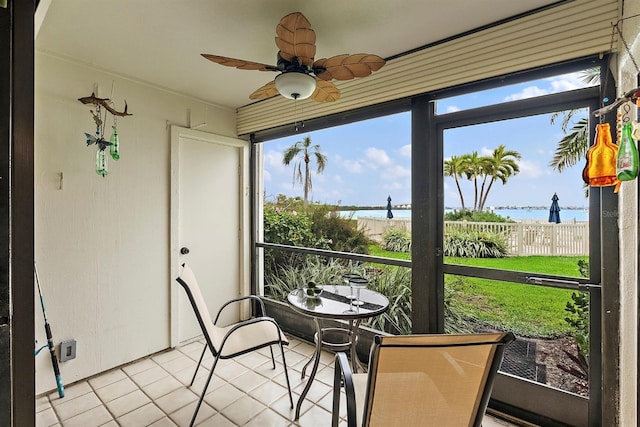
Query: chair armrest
pixel 247 323
pixel 252 297
pixel 342 374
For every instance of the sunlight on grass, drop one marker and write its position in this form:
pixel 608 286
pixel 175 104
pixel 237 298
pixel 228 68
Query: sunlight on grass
pixel 526 310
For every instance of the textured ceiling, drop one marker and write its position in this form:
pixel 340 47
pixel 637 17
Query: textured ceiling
pixel 159 41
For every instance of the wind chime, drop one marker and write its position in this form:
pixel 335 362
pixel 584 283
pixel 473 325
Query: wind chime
pixel 609 164
pixel 102 109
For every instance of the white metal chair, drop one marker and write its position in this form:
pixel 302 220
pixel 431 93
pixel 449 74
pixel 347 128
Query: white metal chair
pixel 226 342
pixel 421 380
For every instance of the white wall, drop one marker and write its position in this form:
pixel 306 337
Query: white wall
pixel 628 222
pixel 102 244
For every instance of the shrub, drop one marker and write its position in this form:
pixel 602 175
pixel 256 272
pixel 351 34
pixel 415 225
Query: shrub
pixel 396 240
pixel 342 233
pixel 279 282
pixel 474 244
pixel 473 216
pixel 395 284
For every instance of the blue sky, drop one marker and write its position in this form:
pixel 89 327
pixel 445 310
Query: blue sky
pixel 370 160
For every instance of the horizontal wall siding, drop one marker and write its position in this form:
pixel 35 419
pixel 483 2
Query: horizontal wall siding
pixel 573 30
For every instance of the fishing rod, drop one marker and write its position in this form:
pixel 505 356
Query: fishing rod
pixel 47 328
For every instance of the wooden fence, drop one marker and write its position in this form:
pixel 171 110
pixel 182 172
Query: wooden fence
pixel 523 238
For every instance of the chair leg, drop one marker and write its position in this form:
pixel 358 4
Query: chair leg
pixel 204 391
pixel 198 366
pixel 286 374
pixel 273 359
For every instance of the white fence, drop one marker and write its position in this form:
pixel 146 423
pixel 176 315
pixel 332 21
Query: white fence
pixel 523 238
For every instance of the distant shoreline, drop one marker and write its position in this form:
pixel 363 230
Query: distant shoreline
pixel 448 208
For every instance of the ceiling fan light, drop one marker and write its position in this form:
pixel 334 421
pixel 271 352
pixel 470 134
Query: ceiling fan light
pixel 295 85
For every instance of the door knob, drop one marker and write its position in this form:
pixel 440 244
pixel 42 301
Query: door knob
pixel 184 251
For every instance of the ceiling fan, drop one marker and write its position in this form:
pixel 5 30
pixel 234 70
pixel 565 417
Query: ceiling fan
pixel 300 76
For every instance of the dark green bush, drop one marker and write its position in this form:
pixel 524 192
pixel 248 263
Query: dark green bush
pixel 474 244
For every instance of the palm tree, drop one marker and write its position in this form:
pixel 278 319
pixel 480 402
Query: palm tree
pixel 574 145
pixel 501 165
pixel 304 151
pixel 473 168
pixel 455 168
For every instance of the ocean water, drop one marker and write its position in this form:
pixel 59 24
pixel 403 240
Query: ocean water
pixel 566 215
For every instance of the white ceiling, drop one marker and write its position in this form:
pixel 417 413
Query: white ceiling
pixel 160 41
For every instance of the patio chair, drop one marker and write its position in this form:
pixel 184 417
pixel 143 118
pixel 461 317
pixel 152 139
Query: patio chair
pixel 226 342
pixel 421 380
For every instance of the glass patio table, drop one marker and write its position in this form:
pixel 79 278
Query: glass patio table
pixel 334 304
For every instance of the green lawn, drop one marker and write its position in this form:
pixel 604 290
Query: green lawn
pixel 524 309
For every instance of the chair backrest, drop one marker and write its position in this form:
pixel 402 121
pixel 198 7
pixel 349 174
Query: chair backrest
pixel 188 281
pixel 432 380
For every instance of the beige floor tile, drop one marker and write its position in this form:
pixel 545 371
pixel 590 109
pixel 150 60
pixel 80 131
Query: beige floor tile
pixel 70 392
pixel 223 396
pixel 107 378
pixel 163 422
pixel 161 387
pixel 72 407
pixel 143 416
pixel 92 418
pixel 268 418
pixel 217 420
pixel 315 416
pixel 116 389
pixel 46 418
pixel 128 403
pixel 175 400
pixel 149 376
pixel 111 423
pixel 268 392
pixel 248 381
pixel 253 359
pixel 243 410
pixel 194 347
pixel 182 416
pixel 283 407
pixel 139 366
pixel 166 356
pixel 229 371
pixel 42 403
pixel 178 363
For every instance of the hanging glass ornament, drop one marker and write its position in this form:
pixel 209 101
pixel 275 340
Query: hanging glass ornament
pixel 102 165
pixel 114 148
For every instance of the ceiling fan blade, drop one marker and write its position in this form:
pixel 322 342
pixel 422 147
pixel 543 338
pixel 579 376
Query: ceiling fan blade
pixel 347 67
pixel 296 39
pixel 266 91
pixel 325 92
pixel 239 63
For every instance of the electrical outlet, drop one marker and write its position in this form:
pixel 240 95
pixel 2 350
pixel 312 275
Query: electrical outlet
pixel 67 350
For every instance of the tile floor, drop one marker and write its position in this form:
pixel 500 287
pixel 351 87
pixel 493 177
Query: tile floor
pixel 154 391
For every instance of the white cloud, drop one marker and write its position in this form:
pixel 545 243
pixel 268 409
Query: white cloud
pixel 557 84
pixel 452 109
pixel 353 166
pixel 266 176
pixel 530 169
pixel 405 150
pixel 394 172
pixel 273 160
pixel 377 156
pixel 484 151
pixel 527 92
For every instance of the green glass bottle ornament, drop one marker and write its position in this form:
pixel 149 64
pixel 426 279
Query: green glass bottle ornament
pixel 627 163
pixel 102 167
pixel 114 148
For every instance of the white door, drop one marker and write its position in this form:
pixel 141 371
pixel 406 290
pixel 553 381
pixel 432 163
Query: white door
pixel 209 218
